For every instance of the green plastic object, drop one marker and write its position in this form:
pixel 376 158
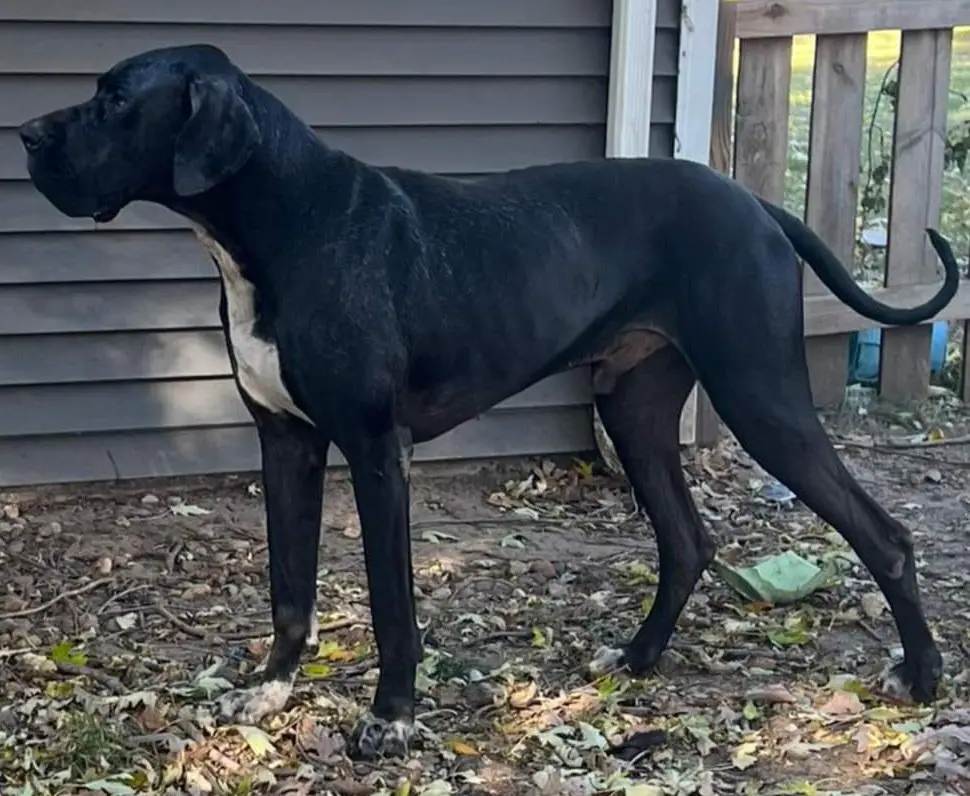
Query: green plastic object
pixel 779 580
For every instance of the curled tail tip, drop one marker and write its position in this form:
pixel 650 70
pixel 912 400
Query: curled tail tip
pixel 940 243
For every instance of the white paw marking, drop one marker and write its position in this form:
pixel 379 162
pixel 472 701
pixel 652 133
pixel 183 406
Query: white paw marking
pixel 893 684
pixel 313 637
pixel 257 360
pixel 605 660
pixel 375 737
pixel 252 705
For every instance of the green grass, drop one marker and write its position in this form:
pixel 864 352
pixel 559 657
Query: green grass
pixel 882 53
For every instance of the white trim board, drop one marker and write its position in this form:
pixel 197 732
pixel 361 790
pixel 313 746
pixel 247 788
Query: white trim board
pixel 633 36
pixel 694 120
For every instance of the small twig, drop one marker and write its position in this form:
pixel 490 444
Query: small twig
pixel 172 557
pixel 903 444
pixel 337 624
pixel 514 519
pixel 244 636
pixel 869 630
pixel 115 597
pixel 15 653
pixel 74 670
pixel 185 627
pixel 927 443
pixel 901 450
pixel 504 635
pixel 53 601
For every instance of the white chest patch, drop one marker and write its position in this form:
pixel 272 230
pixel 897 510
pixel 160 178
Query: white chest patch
pixel 257 361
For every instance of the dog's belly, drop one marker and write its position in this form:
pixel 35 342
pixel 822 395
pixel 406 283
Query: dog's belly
pixel 450 402
pixel 257 360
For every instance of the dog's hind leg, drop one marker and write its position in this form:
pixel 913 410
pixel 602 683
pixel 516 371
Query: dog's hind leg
pixel 642 416
pixel 292 468
pixel 754 369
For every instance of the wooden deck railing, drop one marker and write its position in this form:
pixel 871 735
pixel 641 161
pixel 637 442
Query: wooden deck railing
pixel 759 121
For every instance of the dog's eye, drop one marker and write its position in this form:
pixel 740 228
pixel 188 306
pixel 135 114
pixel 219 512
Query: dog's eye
pixel 116 102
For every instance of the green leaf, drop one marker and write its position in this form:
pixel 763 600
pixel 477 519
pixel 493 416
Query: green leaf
pixel 750 712
pixel 66 652
pixel 607 686
pixel 793 633
pixel 778 580
pixel 111 786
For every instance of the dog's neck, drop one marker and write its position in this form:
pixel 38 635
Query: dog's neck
pixel 289 164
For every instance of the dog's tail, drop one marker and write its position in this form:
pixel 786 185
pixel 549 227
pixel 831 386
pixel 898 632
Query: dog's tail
pixel 812 249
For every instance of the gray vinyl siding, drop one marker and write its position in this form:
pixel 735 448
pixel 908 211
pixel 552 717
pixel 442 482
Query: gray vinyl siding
pixel 111 361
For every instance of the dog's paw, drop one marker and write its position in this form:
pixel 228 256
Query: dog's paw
pixel 374 737
pixel 252 705
pixel 919 682
pixel 607 659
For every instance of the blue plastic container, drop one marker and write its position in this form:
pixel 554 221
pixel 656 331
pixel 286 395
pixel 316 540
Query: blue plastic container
pixel 864 353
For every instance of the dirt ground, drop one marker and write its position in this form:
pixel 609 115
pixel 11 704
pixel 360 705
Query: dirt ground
pixel 127 611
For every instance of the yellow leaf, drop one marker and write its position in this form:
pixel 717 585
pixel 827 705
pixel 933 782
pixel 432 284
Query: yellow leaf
pixel 335 651
pixel 642 790
pixel 935 434
pixel 58 689
pixel 539 638
pixel 522 696
pixel 257 740
pixel 317 671
pixel 460 747
pixel 585 469
pixel 404 789
pixel 744 755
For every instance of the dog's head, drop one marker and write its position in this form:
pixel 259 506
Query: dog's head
pixel 161 125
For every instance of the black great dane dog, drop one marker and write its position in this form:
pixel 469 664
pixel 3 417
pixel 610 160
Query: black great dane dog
pixel 375 308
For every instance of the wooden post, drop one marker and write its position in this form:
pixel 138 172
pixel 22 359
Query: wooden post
pixel 834 165
pixel 915 197
pixel 708 427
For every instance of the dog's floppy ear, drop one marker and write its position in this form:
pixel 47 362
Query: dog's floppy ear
pixel 218 138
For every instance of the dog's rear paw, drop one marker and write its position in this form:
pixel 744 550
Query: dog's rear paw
pixel 252 705
pixel 375 737
pixel 919 682
pixel 607 659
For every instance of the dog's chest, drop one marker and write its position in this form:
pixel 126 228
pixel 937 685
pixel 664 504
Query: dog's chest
pixel 257 360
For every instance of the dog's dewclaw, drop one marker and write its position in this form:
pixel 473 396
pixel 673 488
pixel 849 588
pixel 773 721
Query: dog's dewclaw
pixel 606 660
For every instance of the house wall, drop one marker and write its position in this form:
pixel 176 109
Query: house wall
pixel 111 360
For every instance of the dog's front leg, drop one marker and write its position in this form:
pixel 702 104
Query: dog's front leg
pixel 379 467
pixel 293 459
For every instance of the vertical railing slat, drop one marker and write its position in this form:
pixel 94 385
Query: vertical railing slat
pixel 761 132
pixel 834 165
pixel 915 197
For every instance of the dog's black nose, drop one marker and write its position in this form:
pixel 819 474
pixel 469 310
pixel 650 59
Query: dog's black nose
pixel 33 134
